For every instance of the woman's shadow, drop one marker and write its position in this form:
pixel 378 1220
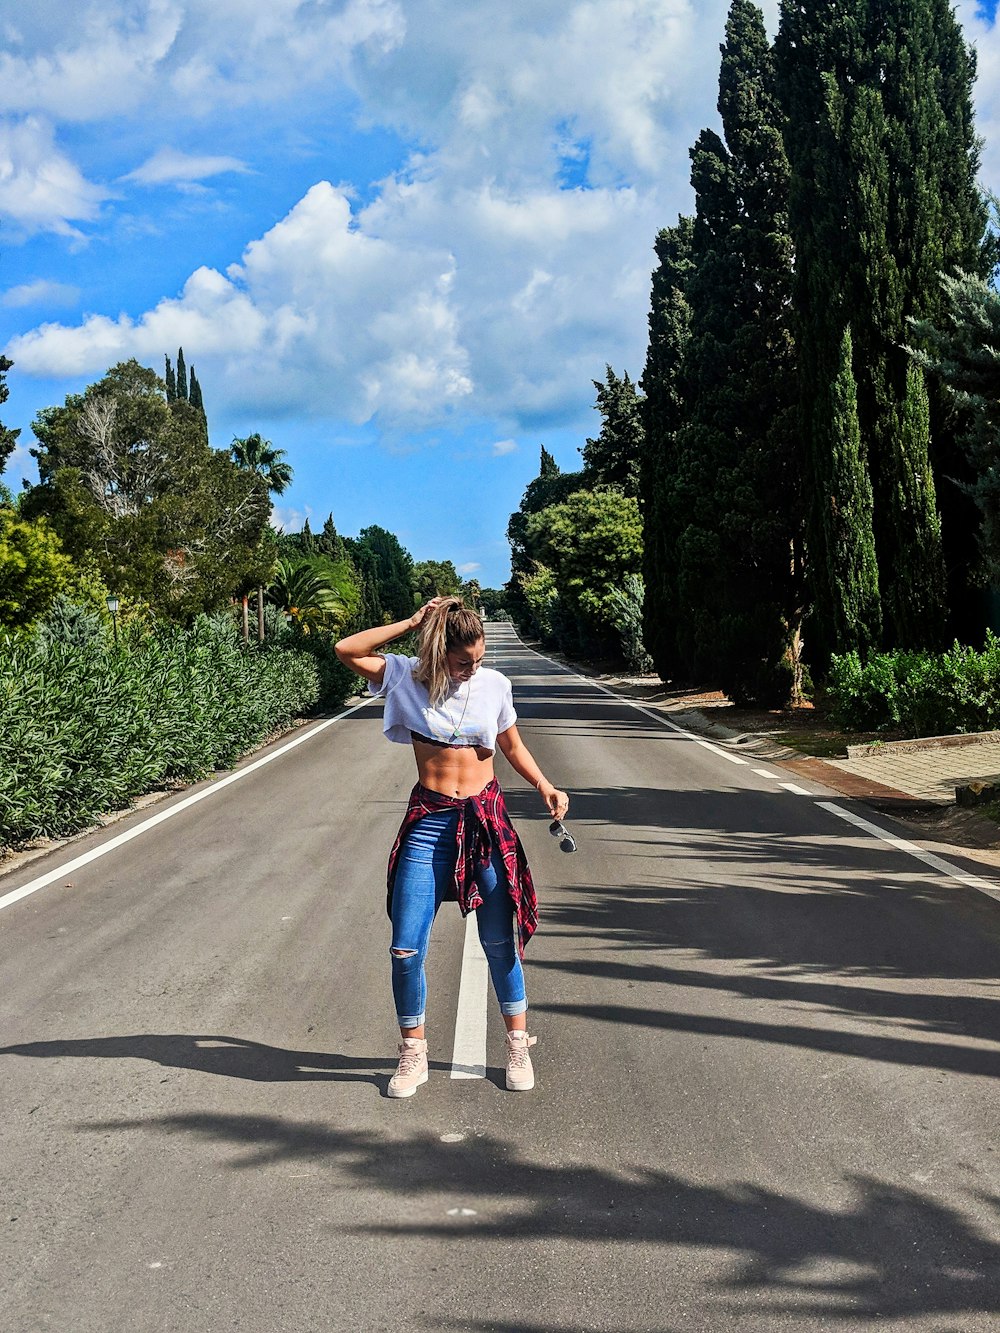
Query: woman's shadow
pixel 230 1057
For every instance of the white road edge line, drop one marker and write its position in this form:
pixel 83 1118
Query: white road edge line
pixel 657 717
pixel 911 849
pixel 468 1058
pixel 935 862
pixel 68 867
pixel 763 773
pixel 799 791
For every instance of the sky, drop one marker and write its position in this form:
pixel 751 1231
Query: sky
pixel 400 238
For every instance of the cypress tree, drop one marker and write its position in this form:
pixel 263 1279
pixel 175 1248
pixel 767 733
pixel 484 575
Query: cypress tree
pixel 817 51
pixel 613 458
pixel 842 536
pixel 736 471
pixel 182 384
pixel 663 413
pixel 171 381
pixel 885 158
pixel 194 393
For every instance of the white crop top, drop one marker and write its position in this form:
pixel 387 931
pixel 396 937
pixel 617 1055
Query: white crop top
pixel 473 712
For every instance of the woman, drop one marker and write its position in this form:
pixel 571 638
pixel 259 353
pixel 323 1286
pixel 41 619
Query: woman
pixel 456 839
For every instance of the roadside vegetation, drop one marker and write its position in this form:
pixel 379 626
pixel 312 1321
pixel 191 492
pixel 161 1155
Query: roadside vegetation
pixel 153 626
pixel 798 500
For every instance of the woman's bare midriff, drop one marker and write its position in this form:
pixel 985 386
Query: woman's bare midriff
pixel 459 772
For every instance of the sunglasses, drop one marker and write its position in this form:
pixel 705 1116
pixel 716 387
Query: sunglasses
pixel 567 843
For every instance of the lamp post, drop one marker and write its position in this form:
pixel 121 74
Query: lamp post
pixel 113 608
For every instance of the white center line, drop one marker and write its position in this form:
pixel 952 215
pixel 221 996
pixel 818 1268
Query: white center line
pixel 790 786
pixel 468 1058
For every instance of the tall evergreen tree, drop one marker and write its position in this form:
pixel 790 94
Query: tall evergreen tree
pixel 842 540
pixel 329 542
pixel 613 458
pixel 663 413
pixel 182 384
pixel 171 380
pixel 962 350
pixel 884 155
pixel 194 394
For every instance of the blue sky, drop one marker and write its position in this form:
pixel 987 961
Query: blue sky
pixel 398 237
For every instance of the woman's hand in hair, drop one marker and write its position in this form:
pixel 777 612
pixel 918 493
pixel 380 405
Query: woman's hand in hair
pixel 419 614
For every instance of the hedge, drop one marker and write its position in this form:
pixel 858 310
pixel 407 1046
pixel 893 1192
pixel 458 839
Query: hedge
pixel 919 693
pixel 86 725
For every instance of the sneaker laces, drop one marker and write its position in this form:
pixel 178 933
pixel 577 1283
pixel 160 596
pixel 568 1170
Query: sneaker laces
pixel 517 1053
pixel 409 1060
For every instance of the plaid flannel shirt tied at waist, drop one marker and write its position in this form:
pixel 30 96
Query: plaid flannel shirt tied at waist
pixel 483 822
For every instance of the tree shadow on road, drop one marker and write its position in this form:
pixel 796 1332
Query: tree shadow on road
pixel 887 1251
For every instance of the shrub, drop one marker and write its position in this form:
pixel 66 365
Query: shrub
pixel 85 725
pixel 920 693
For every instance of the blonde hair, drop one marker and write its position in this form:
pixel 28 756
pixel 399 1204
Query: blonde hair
pixel 445 627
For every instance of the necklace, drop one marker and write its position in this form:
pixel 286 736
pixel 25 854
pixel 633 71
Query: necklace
pixel 457 730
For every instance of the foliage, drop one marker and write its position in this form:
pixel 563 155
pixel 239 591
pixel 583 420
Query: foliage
pixel 550 487
pixel 387 570
pixel 963 350
pixel 307 591
pixel 33 569
pixel 589 543
pixel 730 497
pixel 257 455
pixel 919 693
pixel 132 481
pixel 663 415
pixel 494 603
pixel 434 578
pixel 626 612
pixel 86 726
pixel 613 458
pixel 884 160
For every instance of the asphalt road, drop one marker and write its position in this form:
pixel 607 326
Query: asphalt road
pixel 766 1071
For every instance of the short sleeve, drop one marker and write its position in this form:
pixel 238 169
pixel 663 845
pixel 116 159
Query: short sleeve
pixel 507 716
pixel 396 667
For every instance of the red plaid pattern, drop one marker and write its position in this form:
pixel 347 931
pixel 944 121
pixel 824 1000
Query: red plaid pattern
pixel 482 821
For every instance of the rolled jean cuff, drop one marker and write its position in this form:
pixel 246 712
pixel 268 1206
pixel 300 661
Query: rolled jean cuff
pixel 510 1008
pixel 407 1021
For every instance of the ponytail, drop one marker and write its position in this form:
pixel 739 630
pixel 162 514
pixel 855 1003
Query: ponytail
pixel 447 626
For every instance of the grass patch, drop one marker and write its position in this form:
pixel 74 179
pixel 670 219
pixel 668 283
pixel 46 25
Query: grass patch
pixel 821 745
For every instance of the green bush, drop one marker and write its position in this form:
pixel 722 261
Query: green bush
pixel 86 725
pixel 919 693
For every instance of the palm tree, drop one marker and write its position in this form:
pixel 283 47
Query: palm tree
pixel 303 590
pixel 255 454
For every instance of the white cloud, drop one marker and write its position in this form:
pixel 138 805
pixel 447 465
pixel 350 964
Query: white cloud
pixel 287 519
pixel 318 316
pixel 40 292
pixel 107 57
pixel 468 568
pixel 40 188
pixel 502 447
pixel 471 280
pixel 168 166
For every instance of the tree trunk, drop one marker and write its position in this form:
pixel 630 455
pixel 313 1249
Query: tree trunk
pixel 260 614
pixel 246 620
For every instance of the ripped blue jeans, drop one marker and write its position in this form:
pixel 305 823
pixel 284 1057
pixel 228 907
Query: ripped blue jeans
pixel 424 873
